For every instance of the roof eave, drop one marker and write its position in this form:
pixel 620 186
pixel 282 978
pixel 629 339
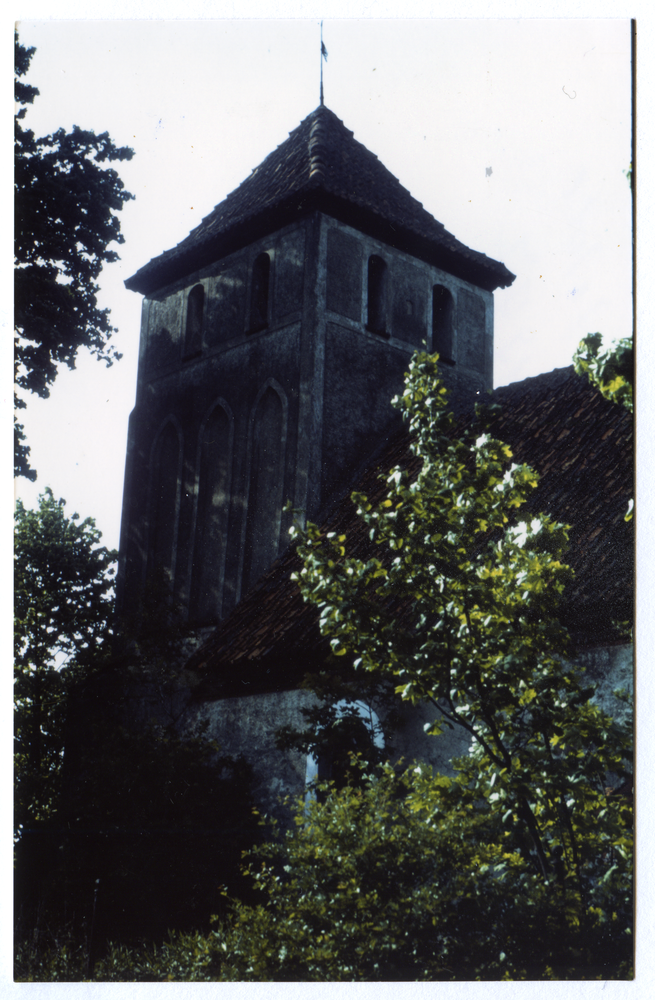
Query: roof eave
pixel 164 270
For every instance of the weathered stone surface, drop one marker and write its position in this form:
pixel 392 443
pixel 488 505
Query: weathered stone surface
pixel 344 274
pixel 412 743
pixel 470 327
pixel 411 300
pixel 362 374
pixel 611 668
pixel 226 306
pixel 289 274
pixel 246 727
pixel 305 400
pixel 163 334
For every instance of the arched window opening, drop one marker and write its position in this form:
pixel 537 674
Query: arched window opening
pixel 353 728
pixel 194 314
pixel 261 270
pixel 442 324
pixel 376 320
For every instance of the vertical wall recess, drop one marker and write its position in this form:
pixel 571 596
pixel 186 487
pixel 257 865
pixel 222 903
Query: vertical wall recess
pixel 409 307
pixel 165 500
pixel 214 468
pixel 471 330
pixel 376 320
pixel 194 317
pixel 344 274
pixel 289 274
pixel 163 344
pixel 265 492
pixel 261 271
pixel 443 311
pixel 162 349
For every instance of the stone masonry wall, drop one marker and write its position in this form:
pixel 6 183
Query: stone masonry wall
pixel 262 384
pixel 247 726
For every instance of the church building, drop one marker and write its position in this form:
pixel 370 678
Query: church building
pixel 273 339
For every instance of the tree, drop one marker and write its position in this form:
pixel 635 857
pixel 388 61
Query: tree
pixel 151 825
pixel 407 876
pixel 350 713
pixel 461 610
pixel 63 581
pixel 611 370
pixel 66 200
pixel 63 603
pixel 369 886
pixel 121 830
pixel 519 866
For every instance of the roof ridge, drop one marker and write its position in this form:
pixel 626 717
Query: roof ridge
pixel 316 147
pixel 542 377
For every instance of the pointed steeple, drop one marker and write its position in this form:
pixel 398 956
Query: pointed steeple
pixel 321 166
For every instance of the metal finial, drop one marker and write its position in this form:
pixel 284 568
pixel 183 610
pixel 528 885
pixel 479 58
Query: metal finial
pixel 324 55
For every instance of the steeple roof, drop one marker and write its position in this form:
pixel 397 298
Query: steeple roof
pixel 322 167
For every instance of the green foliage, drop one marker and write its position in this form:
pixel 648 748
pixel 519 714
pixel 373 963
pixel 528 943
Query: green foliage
pixel 65 204
pixel 519 866
pixel 410 877
pixel 461 610
pixel 399 876
pixel 611 370
pixel 65 960
pixel 150 829
pixel 63 602
pixel 353 713
pixel 158 822
pixel 122 831
pixel 153 830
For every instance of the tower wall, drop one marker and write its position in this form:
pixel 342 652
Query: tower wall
pixel 268 376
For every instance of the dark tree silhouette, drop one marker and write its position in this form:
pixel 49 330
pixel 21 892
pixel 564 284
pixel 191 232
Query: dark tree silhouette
pixel 65 221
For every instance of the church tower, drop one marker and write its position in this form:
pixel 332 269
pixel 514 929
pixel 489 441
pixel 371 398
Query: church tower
pixel 272 341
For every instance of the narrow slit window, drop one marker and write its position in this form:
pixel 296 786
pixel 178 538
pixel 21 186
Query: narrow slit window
pixel 442 324
pixel 259 293
pixel 194 314
pixel 377 295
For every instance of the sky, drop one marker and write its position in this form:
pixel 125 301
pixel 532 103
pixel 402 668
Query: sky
pixel 515 134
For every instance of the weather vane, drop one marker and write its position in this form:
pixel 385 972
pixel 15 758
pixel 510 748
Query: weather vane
pixel 324 55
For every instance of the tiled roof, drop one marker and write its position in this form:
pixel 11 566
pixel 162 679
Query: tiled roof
pixel 320 166
pixel 560 425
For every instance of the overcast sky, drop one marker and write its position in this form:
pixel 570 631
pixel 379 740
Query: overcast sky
pixel 513 133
